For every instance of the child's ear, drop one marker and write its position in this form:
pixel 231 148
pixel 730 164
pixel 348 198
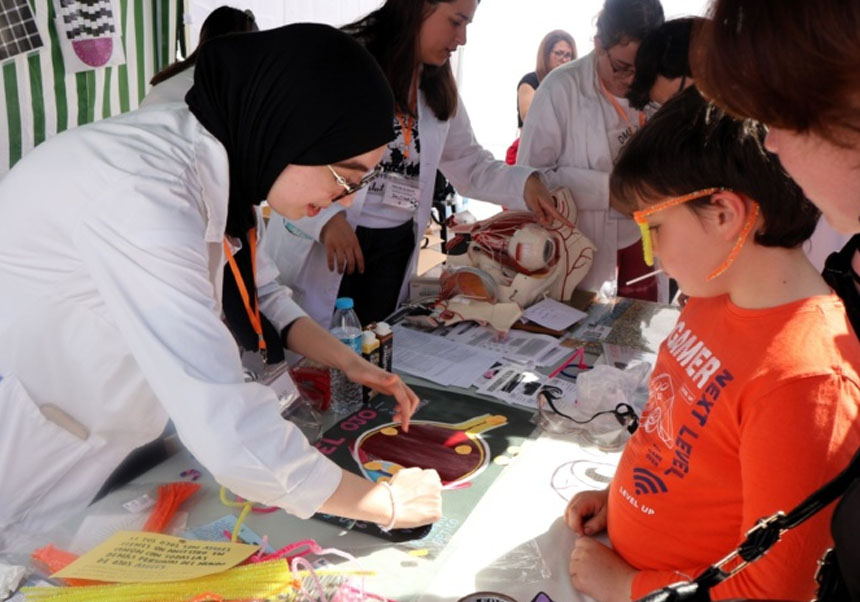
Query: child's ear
pixel 732 212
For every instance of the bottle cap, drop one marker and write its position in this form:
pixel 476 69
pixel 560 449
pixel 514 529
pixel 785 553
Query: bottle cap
pixel 344 303
pixel 382 329
pixel 367 337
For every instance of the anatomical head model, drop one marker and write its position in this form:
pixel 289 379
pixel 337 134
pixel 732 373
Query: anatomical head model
pixel 499 266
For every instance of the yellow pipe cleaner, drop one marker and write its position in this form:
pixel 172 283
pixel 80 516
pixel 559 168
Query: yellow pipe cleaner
pixel 248 582
pixel 246 509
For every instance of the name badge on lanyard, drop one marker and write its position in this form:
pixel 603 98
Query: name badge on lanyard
pixel 401 191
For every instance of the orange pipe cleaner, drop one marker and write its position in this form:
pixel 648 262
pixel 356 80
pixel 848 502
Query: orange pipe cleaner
pixel 56 559
pixel 170 497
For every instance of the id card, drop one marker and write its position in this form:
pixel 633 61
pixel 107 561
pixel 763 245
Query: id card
pixel 401 192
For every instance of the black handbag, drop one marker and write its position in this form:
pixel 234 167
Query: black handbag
pixel 831 585
pixel 842 278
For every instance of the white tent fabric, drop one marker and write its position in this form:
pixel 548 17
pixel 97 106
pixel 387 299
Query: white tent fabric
pixel 271 13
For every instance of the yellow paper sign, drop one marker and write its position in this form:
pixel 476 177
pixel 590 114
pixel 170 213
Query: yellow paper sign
pixel 138 557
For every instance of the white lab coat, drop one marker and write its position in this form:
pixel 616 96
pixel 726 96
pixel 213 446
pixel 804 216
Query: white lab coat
pixel 449 146
pixel 172 89
pixel 110 312
pixel 565 135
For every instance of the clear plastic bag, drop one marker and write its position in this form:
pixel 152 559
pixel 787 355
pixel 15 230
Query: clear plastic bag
pixel 300 411
pixel 523 564
pixel 294 405
pixel 604 387
pixel 605 408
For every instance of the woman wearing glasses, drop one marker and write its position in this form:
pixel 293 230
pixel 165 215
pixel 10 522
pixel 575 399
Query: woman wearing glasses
pixel 556 49
pixel 368 250
pixel 110 279
pixel 578 122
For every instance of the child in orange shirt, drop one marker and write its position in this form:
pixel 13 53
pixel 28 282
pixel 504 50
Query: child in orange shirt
pixel 754 395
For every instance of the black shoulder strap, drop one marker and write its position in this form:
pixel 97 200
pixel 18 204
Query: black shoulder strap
pixel 759 540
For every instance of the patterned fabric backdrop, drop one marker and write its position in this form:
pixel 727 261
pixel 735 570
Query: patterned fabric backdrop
pixel 41 98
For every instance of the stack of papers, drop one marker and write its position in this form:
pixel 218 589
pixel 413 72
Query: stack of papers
pixel 438 360
pixel 517 345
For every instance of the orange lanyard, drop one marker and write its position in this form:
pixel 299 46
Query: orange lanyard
pixel 618 107
pixel 407 124
pixel 253 314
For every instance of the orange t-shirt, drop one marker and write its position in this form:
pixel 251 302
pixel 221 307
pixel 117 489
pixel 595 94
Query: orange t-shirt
pixel 749 412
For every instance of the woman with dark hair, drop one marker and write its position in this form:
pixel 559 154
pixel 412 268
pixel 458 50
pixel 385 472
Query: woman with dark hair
pixel 578 122
pixel 172 83
pixel 795 66
pixel 111 279
pixel 368 251
pixel 662 64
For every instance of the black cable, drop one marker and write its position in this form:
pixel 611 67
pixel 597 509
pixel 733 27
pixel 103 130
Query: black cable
pixel 623 412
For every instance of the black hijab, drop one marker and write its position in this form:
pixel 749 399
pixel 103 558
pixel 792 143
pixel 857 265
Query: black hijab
pixel 306 94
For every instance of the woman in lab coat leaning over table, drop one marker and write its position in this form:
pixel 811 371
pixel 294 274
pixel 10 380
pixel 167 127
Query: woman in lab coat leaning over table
pixel 369 250
pixel 112 243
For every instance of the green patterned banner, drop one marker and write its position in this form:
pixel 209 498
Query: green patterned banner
pixel 41 99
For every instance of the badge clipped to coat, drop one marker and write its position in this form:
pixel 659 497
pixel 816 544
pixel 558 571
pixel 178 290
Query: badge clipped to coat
pixel 400 191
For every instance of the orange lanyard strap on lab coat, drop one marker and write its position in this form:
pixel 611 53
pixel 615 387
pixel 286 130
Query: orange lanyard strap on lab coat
pixel 618 108
pixel 407 124
pixel 253 313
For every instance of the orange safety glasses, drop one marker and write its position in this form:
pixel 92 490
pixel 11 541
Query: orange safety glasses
pixel 647 248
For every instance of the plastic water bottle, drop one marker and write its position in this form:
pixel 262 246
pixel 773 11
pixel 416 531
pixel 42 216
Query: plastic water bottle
pixel 345 394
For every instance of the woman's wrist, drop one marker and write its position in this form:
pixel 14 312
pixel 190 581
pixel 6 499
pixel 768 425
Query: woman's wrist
pixel 390 524
pixel 347 360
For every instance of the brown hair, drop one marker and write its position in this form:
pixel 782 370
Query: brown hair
pixel 792 64
pixel 546 45
pixel 391 35
pixel 221 21
pixel 621 20
pixel 689 145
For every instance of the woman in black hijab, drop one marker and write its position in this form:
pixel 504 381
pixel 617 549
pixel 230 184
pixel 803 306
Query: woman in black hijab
pixel 268 123
pixel 110 267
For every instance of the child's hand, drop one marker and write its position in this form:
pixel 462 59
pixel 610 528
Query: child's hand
pixel 599 572
pixel 586 512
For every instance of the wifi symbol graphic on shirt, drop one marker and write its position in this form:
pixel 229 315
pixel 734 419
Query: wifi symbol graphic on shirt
pixel 646 481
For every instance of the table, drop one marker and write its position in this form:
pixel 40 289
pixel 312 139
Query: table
pixel 494 549
pixel 514 541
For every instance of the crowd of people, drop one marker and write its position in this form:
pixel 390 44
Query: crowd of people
pixel 132 288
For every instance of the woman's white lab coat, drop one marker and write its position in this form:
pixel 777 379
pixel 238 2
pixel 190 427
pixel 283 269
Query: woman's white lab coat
pixel 566 136
pixel 110 323
pixel 173 89
pixel 449 146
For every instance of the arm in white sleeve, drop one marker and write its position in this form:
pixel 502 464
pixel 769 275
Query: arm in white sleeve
pixel 151 265
pixel 276 299
pixel 311 226
pixel 474 171
pixel 545 135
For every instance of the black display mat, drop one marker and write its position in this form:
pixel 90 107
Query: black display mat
pixel 493 435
